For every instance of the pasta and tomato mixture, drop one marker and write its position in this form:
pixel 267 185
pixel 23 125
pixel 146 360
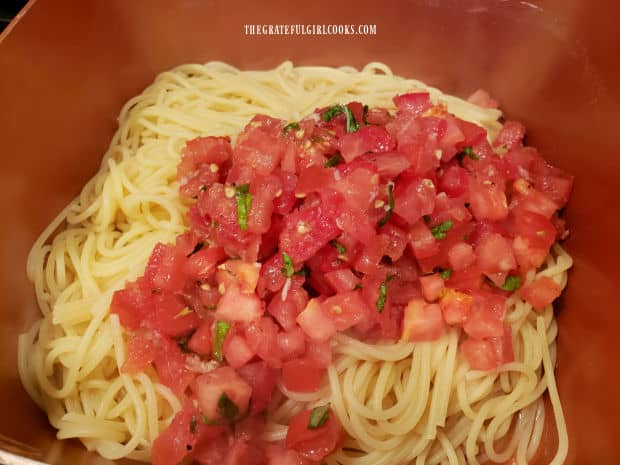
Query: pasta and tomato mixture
pixel 304 265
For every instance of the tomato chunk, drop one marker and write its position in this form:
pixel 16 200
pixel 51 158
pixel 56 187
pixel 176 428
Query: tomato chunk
pixel 315 323
pixel 239 306
pixel 313 444
pixel 302 375
pixel 422 321
pixel 211 386
pixel 541 292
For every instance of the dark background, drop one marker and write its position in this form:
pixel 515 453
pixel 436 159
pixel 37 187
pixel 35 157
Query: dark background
pixel 8 9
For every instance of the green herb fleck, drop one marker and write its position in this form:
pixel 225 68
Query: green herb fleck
pixel 244 204
pixel 512 283
pixel 193 425
pixel 342 250
pixel 427 218
pixel 388 214
pixel 334 160
pixel 331 112
pixel 439 231
pixel 294 125
pixel 445 274
pixel 221 331
pixel 304 271
pixel 227 407
pixel 287 269
pixel 357 286
pixel 206 421
pixel 383 293
pixel 318 416
pixel 467 152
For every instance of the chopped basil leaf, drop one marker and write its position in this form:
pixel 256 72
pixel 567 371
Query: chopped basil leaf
pixel 198 247
pixel 342 250
pixel 244 203
pixel 467 152
pixel 289 126
pixel 388 214
pixel 334 160
pixel 439 231
pixel 427 218
pixel 186 311
pixel 227 407
pixel 221 331
pixel 365 114
pixel 318 416
pixel 331 112
pixel 383 293
pixel 445 274
pixel 512 283
pixel 287 269
pixel 193 425
pixel 206 421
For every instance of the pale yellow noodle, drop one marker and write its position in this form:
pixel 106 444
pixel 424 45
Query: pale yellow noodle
pixel 401 403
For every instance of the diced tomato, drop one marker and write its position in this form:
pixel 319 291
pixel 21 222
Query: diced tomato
pixel 541 292
pixel 482 99
pixel 315 323
pixel 285 311
pixel 342 280
pixel 414 198
pixel 203 151
pixel 480 354
pixel 503 346
pixel 534 235
pixel 244 452
pixel 356 223
pixel 201 341
pixel 262 339
pixel 454 181
pixel 414 103
pixel 422 321
pixel 510 136
pixel 319 352
pixel 391 164
pixel 240 273
pixel 237 306
pixel 174 443
pixel 278 455
pixel 140 354
pixel 262 378
pixel 164 268
pixel 455 306
pixel 302 375
pixel 460 256
pixel 305 232
pixel 346 309
pixel 488 201
pixel 172 317
pixel 525 196
pixel 494 256
pixel 170 365
pixel 395 241
pixel 482 323
pixel 370 257
pixel 422 241
pixel 271 278
pixel 263 191
pixel 210 387
pixel 367 139
pixel 211 450
pixel 250 427
pixel 236 351
pixel 285 200
pixel 292 343
pixel 432 286
pixel 359 187
pixel 466 279
pixel 313 444
pixel 314 179
pixel 133 304
pixel 258 149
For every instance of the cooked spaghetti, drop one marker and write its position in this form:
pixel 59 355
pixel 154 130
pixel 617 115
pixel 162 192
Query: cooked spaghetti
pixel 398 402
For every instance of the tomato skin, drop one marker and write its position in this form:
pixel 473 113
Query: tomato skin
pixel 313 444
pixel 541 292
pixel 210 386
pixel 413 103
pixel 315 323
pixel 455 306
pixel 422 321
pixel 262 378
pixel 302 375
pixel 482 98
